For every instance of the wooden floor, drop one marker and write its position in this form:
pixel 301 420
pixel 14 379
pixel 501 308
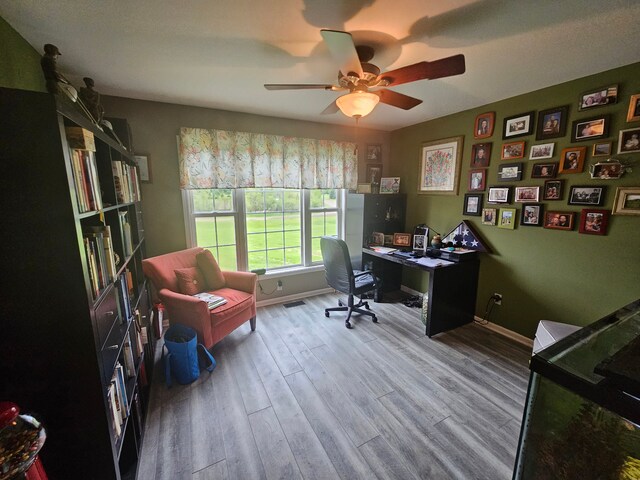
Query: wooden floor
pixel 303 397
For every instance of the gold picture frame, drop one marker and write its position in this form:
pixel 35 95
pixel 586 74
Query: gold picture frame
pixel 633 115
pixel 439 167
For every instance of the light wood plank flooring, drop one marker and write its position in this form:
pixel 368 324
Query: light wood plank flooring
pixel 305 398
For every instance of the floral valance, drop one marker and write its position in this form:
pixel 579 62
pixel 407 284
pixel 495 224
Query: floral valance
pixel 224 159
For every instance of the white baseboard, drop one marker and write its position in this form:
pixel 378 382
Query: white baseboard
pixel 293 297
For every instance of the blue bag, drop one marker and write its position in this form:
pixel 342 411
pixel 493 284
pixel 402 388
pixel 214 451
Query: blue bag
pixel 181 360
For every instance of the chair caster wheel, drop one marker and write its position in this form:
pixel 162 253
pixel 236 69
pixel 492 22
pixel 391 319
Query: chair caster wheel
pixel 366 305
pixel 348 325
pixel 375 320
pixel 340 304
pixel 326 314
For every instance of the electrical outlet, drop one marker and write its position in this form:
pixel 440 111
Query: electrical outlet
pixel 498 298
pixel 279 285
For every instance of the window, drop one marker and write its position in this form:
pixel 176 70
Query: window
pixel 270 228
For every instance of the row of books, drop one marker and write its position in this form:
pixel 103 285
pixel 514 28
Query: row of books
pixel 117 399
pixel 99 251
pixel 85 178
pixel 125 297
pixel 125 230
pixel 125 178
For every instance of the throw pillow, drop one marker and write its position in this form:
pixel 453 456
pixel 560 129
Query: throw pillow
pixel 190 280
pixel 210 270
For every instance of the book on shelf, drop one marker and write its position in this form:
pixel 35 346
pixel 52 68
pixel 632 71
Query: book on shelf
pixel 126 181
pixel 113 408
pixel 105 230
pixel 121 391
pixel 128 358
pixel 212 300
pixel 125 302
pixel 125 229
pixel 86 181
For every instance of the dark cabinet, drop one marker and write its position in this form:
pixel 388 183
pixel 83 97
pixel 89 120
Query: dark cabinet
pixel 384 213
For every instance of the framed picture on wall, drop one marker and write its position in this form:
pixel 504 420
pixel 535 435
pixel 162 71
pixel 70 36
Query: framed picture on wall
pixel 590 128
pixel 531 215
pixel 594 221
pixel 510 172
pixel 544 170
pixel 589 195
pixel 489 216
pixel 572 159
pixel 518 125
pixel 598 97
pixel 483 127
pixel 480 155
pixel 477 180
pixel 439 171
pixel 558 220
pixel 512 150
pixel 627 201
pixel 542 151
pixel 629 141
pixel 552 123
pixel 507 218
pixel 144 168
pixel 499 194
pixel 633 115
pixel 552 190
pixel 602 149
pixel 527 194
pixel 374 173
pixel 472 204
pixel 374 153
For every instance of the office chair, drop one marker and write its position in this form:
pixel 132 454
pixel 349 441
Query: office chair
pixel 341 276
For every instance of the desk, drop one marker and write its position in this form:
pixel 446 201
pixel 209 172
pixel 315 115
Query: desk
pixel 452 292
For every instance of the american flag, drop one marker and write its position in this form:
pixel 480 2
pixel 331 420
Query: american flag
pixel 464 236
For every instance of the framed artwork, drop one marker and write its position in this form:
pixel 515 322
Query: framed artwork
pixel 144 168
pixel 633 115
pixel 594 221
pixel 507 218
pixel 552 123
pixel 542 151
pixel 602 149
pixel 629 141
pixel 531 215
pixel 418 242
pixel 590 128
pixel 552 190
pixel 472 204
pixel 440 166
pixel 512 150
pixel 489 216
pixel 390 185
pixel 363 188
pixel 572 159
pixel 499 194
pixel 377 238
pixel 544 170
pixel 388 239
pixel 607 170
pixel 483 127
pixel 510 172
pixel 598 97
pixel 480 155
pixel 374 153
pixel 587 196
pixel 477 180
pixel 518 125
pixel 627 201
pixel 402 239
pixel 527 194
pixel 559 220
pixel 374 173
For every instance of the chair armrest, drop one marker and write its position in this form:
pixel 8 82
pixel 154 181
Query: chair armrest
pixel 363 272
pixel 243 281
pixel 187 310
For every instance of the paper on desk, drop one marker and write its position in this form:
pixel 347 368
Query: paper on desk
pixel 431 262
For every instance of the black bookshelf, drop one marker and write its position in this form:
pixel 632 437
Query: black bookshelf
pixel 59 338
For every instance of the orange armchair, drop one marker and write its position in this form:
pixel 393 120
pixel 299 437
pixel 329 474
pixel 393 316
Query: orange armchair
pixel 178 275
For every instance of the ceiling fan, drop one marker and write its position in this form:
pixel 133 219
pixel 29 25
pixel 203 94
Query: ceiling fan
pixel 364 81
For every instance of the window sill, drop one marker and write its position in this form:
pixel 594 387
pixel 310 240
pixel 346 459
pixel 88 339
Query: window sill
pixel 287 272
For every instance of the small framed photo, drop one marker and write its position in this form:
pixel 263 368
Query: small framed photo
pixel 477 180
pixel 402 239
pixel 590 128
pixel 552 190
pixel 510 172
pixel 480 155
pixel 499 194
pixel 483 127
pixel 363 188
pixel 377 238
pixel 602 149
pixel 472 204
pixel 527 194
pixel 388 240
pixel 629 141
pixel 587 195
pixel 374 153
pixel 598 97
pixel 531 215
pixel 572 159
pixel 512 150
pixel 507 218
pixel 518 125
pixel 544 170
pixel 627 201
pixel 542 151
pixel 144 168
pixel 607 170
pixel 594 222
pixel 390 185
pixel 374 173
pixel 552 123
pixel 418 242
pixel 489 216
pixel 633 115
pixel 559 220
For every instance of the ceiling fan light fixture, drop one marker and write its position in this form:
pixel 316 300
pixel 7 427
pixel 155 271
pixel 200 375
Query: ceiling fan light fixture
pixel 357 104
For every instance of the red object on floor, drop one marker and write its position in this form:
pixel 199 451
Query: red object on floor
pixel 36 471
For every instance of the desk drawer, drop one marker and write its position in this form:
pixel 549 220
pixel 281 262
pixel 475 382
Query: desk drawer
pixel 106 316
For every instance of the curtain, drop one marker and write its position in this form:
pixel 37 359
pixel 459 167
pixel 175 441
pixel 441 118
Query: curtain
pixel 224 159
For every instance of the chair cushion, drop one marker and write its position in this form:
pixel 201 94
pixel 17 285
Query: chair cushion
pixel 190 280
pixel 237 301
pixel 210 270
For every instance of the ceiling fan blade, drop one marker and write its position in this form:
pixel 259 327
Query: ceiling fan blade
pixel 301 86
pixel 331 108
pixel 396 99
pixel 343 51
pixel 445 67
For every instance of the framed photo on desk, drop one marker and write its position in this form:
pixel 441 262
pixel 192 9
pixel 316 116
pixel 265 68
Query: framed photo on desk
pixel 401 239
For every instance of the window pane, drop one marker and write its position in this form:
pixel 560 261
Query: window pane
pixel 226 230
pixel 256 241
pixel 273 200
pixel 206 232
pixel 255 223
pixel 275 258
pixel 254 201
pixel 274 222
pixel 292 238
pixel 257 260
pixel 316 198
pixel 292 200
pixel 292 221
pixel 275 240
pixel 202 200
pixel 330 198
pixel 223 200
pixel 293 256
pixel 316 254
pixel 331 223
pixel 227 258
pixel 317 224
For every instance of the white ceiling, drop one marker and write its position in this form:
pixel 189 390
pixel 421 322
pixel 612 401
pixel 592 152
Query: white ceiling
pixel 219 53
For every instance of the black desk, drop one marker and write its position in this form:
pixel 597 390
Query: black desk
pixel 453 287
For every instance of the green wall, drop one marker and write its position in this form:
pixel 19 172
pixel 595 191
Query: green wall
pixel 20 66
pixel 542 274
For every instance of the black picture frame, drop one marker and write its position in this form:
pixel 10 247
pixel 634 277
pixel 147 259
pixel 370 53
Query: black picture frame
pixel 532 215
pixel 518 125
pixel 553 190
pixel 598 97
pixel 592 195
pixel 544 170
pixel 472 204
pixel 506 172
pixel 547 126
pixel 586 129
